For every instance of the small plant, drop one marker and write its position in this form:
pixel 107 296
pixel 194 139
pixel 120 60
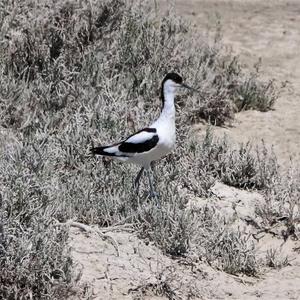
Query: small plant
pixel 170 227
pixel 281 206
pixel 168 284
pixel 255 95
pixel 236 165
pixel 214 107
pixel 275 260
pixel 223 246
pixel 34 261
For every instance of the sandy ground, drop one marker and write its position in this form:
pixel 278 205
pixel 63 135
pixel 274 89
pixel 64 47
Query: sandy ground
pixel 269 30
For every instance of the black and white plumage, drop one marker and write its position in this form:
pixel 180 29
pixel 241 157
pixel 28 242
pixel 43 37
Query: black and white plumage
pixel 153 142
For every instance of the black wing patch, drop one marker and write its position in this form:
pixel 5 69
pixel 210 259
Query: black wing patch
pixel 140 147
pixel 143 145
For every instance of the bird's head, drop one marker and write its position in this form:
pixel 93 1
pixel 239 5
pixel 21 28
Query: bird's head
pixel 172 82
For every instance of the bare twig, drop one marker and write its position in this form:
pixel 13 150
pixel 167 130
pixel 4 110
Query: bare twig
pixel 89 229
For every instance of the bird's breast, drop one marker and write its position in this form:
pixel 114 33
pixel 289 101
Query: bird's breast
pixel 167 137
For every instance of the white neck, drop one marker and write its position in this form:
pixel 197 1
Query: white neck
pixel 168 111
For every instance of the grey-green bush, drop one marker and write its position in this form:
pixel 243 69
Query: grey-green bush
pixel 74 74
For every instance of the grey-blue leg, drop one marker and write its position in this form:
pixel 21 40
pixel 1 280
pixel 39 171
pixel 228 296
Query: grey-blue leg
pixel 137 179
pixel 152 192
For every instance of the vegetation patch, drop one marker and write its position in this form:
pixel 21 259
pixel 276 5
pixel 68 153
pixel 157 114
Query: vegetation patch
pixel 77 73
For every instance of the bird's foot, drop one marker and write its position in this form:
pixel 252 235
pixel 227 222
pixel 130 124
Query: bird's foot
pixel 136 188
pixel 154 195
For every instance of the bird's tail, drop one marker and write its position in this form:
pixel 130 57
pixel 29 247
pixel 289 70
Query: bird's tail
pixel 106 150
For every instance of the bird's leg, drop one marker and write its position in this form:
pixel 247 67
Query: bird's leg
pixel 152 167
pixel 153 194
pixel 136 184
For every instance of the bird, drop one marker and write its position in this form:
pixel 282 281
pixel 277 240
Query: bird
pixel 153 142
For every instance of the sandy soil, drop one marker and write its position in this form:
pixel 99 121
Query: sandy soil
pixel 254 29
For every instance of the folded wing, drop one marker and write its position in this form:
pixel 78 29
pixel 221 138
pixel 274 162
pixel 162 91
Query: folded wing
pixel 142 141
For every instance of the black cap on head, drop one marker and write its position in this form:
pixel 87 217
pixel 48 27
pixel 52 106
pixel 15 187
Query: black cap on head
pixel 173 76
pixel 170 76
